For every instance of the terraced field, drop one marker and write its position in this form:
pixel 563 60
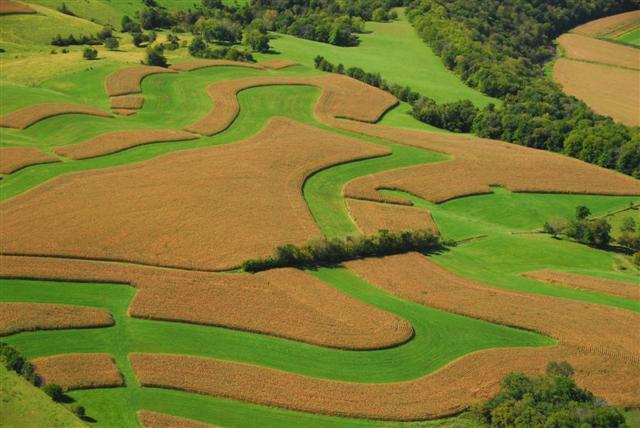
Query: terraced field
pixel 122 236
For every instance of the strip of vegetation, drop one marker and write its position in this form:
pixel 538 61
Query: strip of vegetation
pixel 456 116
pixel 501 48
pixel 552 400
pixel 328 252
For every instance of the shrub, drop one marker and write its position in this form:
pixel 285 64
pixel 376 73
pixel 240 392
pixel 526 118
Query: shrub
pixel 155 56
pixel 64 9
pixel 54 391
pixel 78 410
pixel 111 43
pixel 89 53
pixel 14 361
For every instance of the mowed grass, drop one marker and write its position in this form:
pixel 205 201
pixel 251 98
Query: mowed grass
pixel 22 404
pixel 392 49
pixel 632 37
pixel 440 337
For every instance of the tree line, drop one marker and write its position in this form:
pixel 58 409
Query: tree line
pixel 501 48
pixel 327 252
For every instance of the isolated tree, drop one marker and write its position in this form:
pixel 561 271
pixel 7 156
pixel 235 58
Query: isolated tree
pixel 111 43
pixel 256 40
pixel 105 33
pixel 89 53
pixel 582 212
pixel 155 56
pixel 197 46
pixel 79 410
pixel 54 391
pixel 628 224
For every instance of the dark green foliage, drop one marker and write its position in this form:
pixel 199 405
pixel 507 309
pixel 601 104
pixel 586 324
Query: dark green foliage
pixel 64 9
pixel 553 400
pixel 255 36
pixel 140 38
pixel 129 25
pixel 330 252
pixel 111 43
pixel 172 42
pixel 582 212
pixel 58 40
pixel 155 56
pixel 14 361
pixel 90 53
pixel 219 30
pixel 200 49
pixel 629 224
pixel 155 17
pixel 105 33
pixel 501 48
pixel 78 410
pixel 54 391
pixel 596 233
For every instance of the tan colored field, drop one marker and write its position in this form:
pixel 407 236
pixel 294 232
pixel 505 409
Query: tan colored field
pixel 27 116
pixel 203 63
pixel 479 163
pixel 116 141
pixel 79 371
pixel 127 102
pixel 609 91
pixel 128 80
pixel 278 64
pixel 238 201
pixel 8 7
pixel 15 158
pixel 609 24
pixel 342 97
pixel 149 419
pixel 589 283
pixel 283 302
pixel 17 317
pixel 370 217
pixel 585 48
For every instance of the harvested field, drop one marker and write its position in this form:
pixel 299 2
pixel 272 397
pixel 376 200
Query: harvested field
pixel 27 116
pixel 15 158
pixel 79 371
pixel 281 302
pixel 17 317
pixel 617 96
pixel 203 63
pixel 10 7
pixel 238 201
pixel 124 111
pixel 127 102
pixel 128 80
pixel 149 419
pixel 585 48
pixel 589 283
pixel 116 141
pixel 480 163
pixel 609 24
pixel 278 64
pixel 341 97
pixel 370 217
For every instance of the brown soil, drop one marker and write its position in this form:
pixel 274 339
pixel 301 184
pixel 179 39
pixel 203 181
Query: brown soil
pixel 149 419
pixel 370 217
pixel 133 102
pixel 113 142
pixel 79 371
pixel 478 164
pixel 124 111
pixel 283 302
pixel 202 63
pixel 8 7
pixel 608 25
pixel 278 64
pixel 589 283
pixel 15 158
pixel 609 91
pixel 27 116
pixel 238 201
pixel 129 80
pixel 589 49
pixel 341 97
pixel 17 317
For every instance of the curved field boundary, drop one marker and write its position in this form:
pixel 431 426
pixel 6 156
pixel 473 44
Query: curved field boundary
pixel 617 96
pixel 278 64
pixel 27 116
pixel 479 164
pixel 149 419
pixel 14 158
pixel 370 217
pixel 124 111
pixel 204 63
pixel 128 80
pixel 18 317
pixel 133 102
pixel 10 7
pixel 79 371
pixel 588 49
pixel 238 201
pixel 116 141
pixel 284 303
pixel 588 283
pixel 342 97
pixel 608 25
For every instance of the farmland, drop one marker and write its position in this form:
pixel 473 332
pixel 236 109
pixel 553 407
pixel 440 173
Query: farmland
pixel 131 195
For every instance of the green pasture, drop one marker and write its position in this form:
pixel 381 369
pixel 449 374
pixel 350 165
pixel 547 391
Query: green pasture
pixel 632 37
